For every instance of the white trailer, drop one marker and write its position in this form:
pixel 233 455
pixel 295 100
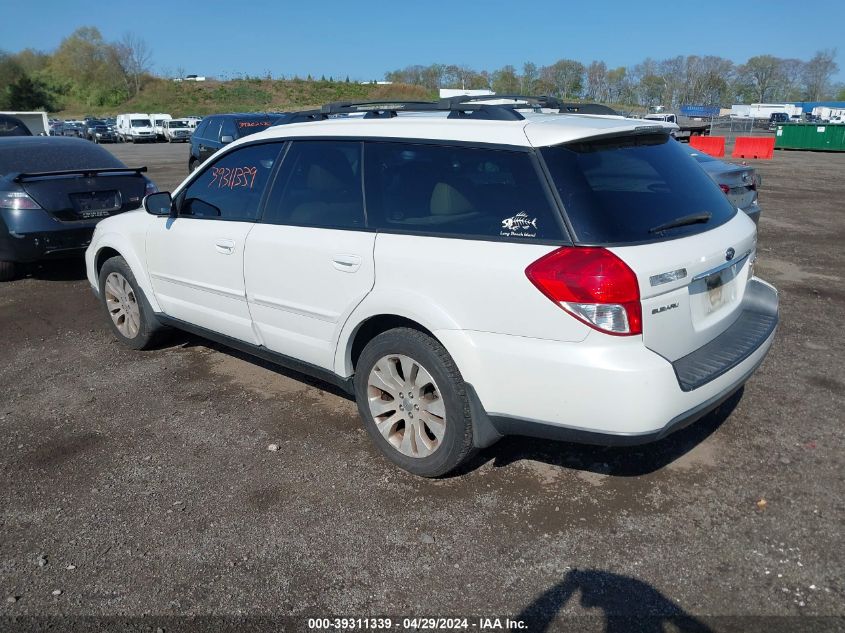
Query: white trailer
pixel 764 110
pixel 36 122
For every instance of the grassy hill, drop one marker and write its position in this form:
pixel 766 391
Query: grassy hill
pixel 247 95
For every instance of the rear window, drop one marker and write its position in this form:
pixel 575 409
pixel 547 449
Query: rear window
pixel 51 154
pixel 246 127
pixel 621 190
pixel 459 191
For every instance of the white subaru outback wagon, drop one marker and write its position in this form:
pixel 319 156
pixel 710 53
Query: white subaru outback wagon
pixel 467 270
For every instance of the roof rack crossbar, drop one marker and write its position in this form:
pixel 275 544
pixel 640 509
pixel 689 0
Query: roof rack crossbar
pixel 540 101
pixel 459 107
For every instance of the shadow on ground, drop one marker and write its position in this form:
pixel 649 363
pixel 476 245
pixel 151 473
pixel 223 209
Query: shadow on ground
pixel 71 269
pixel 626 604
pixel 630 461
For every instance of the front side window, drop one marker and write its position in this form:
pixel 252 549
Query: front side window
pixel 232 186
pixel 460 191
pixel 319 185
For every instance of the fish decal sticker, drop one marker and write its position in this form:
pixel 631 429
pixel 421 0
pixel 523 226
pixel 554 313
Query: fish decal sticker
pixel 519 225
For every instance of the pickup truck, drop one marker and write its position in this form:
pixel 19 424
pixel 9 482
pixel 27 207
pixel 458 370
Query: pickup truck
pixel 686 127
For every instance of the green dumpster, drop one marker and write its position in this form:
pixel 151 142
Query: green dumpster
pixel 816 136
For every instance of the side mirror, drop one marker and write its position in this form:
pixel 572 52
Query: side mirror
pixel 226 139
pixel 160 204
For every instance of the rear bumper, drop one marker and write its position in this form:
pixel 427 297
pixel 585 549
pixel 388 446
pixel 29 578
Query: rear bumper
pixel 38 236
pixel 753 212
pixel 598 391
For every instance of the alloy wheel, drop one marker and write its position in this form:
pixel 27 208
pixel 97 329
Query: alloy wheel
pixel 122 304
pixel 406 405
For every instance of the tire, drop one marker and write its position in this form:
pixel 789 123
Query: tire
pixel 120 294
pixel 441 436
pixel 8 270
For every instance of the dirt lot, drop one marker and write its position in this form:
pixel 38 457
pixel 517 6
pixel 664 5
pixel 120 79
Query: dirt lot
pixel 144 482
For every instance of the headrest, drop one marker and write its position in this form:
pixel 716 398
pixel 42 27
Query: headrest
pixel 446 200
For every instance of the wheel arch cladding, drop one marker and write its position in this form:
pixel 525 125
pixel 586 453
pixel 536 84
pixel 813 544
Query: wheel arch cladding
pixel 111 246
pixel 372 326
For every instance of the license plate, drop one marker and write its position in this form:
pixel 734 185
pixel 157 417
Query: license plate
pixel 96 204
pixel 720 289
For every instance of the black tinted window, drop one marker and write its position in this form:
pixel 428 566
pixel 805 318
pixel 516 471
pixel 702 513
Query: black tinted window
pixel 319 184
pixel 232 186
pixel 457 190
pixel 199 132
pixel 618 190
pixel 12 126
pixel 36 154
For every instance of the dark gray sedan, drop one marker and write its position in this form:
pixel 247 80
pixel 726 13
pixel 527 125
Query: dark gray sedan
pixel 738 182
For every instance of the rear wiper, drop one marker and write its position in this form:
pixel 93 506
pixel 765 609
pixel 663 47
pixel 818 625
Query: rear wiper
pixel 695 218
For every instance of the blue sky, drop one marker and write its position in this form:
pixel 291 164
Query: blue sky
pixel 366 39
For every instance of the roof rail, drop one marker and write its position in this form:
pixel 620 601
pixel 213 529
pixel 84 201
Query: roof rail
pixel 540 101
pixel 455 107
pixel 459 107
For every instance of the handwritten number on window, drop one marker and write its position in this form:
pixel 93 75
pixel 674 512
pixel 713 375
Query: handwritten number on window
pixel 233 177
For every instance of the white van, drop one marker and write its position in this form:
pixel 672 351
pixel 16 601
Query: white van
pixel 135 127
pixel 158 120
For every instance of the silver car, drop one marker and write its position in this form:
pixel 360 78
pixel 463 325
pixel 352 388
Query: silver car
pixel 738 182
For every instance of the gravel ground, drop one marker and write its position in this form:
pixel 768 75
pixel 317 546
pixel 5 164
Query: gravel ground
pixel 140 484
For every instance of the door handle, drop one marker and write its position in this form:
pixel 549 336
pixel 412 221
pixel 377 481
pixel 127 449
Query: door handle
pixel 227 247
pixel 347 263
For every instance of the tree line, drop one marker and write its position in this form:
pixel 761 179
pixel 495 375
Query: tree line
pixel 85 69
pixel 691 79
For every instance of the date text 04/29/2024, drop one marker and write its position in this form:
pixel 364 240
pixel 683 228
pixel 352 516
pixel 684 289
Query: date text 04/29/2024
pixel 416 624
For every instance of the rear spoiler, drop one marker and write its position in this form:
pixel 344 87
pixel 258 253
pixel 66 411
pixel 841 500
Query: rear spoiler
pixel 84 173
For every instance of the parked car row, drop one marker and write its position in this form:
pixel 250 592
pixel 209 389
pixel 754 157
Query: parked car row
pixel 130 128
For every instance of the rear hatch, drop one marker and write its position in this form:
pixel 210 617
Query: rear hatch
pixel 646 200
pixel 72 179
pixel 85 195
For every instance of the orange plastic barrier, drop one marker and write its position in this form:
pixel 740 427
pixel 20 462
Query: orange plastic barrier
pixel 712 145
pixel 754 147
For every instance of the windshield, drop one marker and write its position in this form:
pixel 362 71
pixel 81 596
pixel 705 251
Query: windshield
pixel 140 123
pixel 618 190
pixel 177 123
pixel 251 126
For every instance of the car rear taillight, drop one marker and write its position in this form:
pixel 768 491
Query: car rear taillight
pixel 17 200
pixel 725 189
pixel 150 188
pixel 593 285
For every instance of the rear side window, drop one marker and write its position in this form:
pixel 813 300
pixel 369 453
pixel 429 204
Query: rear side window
pixel 467 192
pixel 232 186
pixel 622 190
pixel 319 185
